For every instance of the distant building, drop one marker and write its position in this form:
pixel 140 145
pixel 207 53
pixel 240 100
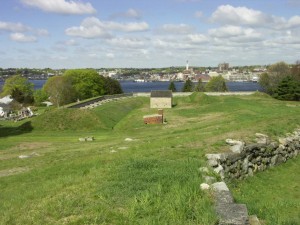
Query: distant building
pixel 203 77
pixel 223 66
pixel 161 99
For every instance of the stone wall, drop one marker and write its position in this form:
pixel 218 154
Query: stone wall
pixel 247 159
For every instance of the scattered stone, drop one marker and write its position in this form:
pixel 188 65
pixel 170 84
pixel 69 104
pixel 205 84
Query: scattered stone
pixel 212 162
pixel 209 179
pixel 89 138
pixel 203 170
pixel 253 220
pixel 282 141
pixel 24 156
pixel 220 186
pixel 122 148
pixel 204 186
pixel 113 151
pixel 128 139
pixel 81 139
pixel 236 146
pixel 262 138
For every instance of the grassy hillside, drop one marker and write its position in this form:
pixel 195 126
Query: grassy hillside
pixel 104 117
pixel 151 179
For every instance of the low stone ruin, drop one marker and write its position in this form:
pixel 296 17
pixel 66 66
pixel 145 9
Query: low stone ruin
pixel 244 160
pixel 154 119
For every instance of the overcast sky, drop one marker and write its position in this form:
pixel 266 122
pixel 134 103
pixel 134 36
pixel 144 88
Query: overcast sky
pixel 147 33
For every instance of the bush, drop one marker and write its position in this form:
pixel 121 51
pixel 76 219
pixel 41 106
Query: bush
pixel 288 89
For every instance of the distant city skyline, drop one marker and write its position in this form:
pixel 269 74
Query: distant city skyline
pixel 147 34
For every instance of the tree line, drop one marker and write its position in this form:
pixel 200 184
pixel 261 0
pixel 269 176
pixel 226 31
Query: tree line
pixel 216 84
pixel 282 81
pixel 73 85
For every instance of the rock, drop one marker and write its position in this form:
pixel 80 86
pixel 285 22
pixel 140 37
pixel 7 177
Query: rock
pixel 250 172
pixel 113 151
pixel 209 179
pixel 81 139
pixel 253 220
pixel 89 139
pixel 262 138
pixel 204 186
pixel 236 146
pixel 245 164
pixel 24 156
pixel 232 214
pixel 283 141
pixel 274 160
pixel 203 170
pixel 212 162
pixel 122 148
pixel 219 169
pixel 220 186
pixel 128 139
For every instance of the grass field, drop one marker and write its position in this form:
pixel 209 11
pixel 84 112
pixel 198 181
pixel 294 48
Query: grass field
pixel 151 179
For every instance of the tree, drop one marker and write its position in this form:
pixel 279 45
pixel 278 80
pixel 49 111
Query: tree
pixel 216 84
pixel 276 73
pixel 188 86
pixel 60 90
pixel 200 86
pixel 112 86
pixel 86 82
pixel 40 96
pixel 288 89
pixel 295 71
pixel 172 87
pixel 19 88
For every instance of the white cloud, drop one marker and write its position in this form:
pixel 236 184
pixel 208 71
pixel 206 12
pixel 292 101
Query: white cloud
pixel 61 6
pixel 71 42
pixel 132 13
pixel 20 37
pixel 293 22
pixel 87 32
pixel 13 27
pixel 126 27
pixel 176 29
pixel 127 43
pixel 227 14
pixel 92 27
pixel 42 32
pixel 110 55
pixel 198 38
pixel 129 14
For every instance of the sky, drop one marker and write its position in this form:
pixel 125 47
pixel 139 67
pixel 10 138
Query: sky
pixel 147 33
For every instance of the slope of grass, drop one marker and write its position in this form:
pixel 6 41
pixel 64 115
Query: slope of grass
pixel 104 117
pixel 152 179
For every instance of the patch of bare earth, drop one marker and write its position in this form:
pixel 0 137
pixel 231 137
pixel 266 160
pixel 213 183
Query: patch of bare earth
pixel 13 171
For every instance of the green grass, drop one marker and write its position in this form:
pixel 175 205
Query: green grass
pixel 273 195
pixel 153 179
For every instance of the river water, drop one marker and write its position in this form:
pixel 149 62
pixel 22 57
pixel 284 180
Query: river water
pixel 130 86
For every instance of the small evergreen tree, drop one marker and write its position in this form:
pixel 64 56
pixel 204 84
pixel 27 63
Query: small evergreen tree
pixel 200 86
pixel 172 87
pixel 288 89
pixel 188 86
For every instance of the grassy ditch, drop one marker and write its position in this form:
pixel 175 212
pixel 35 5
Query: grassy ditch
pixel 132 173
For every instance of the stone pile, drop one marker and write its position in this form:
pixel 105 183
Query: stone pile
pixel 86 139
pixel 248 159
